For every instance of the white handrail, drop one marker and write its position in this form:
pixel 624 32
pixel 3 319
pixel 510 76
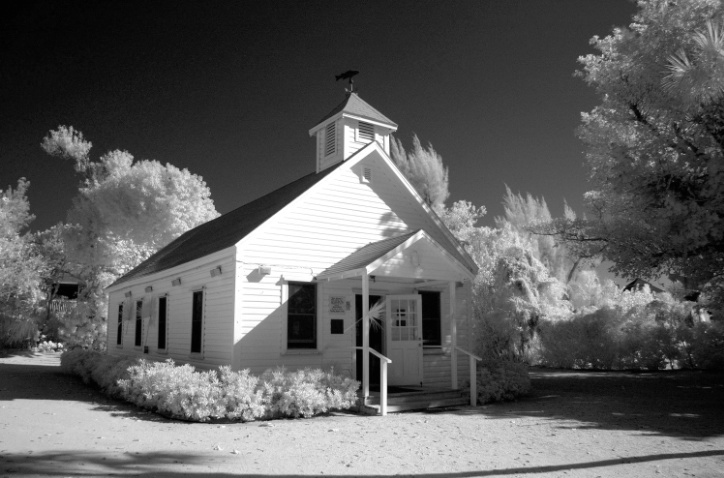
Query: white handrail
pixel 383 378
pixel 473 375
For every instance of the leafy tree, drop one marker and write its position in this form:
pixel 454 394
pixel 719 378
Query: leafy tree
pixel 655 144
pixel 532 218
pixel 20 268
pixel 461 219
pixel 125 210
pixel 424 169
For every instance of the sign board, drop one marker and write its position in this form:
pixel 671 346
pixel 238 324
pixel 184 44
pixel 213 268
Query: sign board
pixel 337 305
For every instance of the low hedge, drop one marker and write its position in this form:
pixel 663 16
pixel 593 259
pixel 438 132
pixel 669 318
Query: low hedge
pixel 185 393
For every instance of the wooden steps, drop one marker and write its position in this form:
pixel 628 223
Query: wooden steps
pixel 416 400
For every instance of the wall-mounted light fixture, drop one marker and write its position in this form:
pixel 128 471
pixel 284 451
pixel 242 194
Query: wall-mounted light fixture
pixel 265 270
pixel 176 282
pixel 149 289
pixel 216 271
pixel 128 294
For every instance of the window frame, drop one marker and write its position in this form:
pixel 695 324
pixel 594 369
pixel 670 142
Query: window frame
pixel 162 327
pixel 298 346
pixel 426 320
pixel 199 329
pixel 138 337
pixel 119 326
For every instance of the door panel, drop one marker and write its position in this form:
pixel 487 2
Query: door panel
pixel 404 338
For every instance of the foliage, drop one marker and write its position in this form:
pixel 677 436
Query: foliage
pixel 182 392
pixel 655 145
pixel 47 346
pixel 424 169
pixel 500 380
pixel 513 292
pixel 462 218
pixel 305 392
pixel 638 330
pixel 20 270
pixel 125 211
pixel 531 217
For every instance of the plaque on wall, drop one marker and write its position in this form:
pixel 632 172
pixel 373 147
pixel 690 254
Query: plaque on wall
pixel 337 304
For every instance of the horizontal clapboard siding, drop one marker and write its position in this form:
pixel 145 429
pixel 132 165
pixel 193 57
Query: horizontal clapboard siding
pixel 218 314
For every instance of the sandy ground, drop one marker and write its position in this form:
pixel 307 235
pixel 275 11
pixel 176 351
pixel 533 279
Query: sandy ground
pixel 573 425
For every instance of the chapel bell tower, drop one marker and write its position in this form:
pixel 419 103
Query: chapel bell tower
pixel 348 128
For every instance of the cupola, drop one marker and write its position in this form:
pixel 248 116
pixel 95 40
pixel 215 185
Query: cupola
pixel 348 128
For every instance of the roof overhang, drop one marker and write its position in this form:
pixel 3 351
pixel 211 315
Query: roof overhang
pixel 415 255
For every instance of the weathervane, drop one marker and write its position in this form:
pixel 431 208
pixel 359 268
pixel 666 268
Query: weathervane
pixel 348 75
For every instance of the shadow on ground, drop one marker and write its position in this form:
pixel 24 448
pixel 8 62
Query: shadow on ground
pixel 48 382
pixel 183 464
pixel 683 404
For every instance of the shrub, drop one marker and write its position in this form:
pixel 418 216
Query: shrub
pixel 653 336
pixel 240 396
pixel 306 392
pixel 586 341
pixel 500 380
pixel 47 346
pixel 98 368
pixel 182 392
pixel 702 346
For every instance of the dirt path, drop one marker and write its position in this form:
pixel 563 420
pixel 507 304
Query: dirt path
pixel 574 425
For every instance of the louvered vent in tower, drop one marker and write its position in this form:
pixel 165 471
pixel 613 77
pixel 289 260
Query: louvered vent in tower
pixel 331 139
pixel 365 132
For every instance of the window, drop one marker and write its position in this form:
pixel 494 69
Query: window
pixel 119 330
pixel 139 322
pixel 162 323
pixel 302 316
pixel 331 139
pixel 197 318
pixel 365 132
pixel 431 315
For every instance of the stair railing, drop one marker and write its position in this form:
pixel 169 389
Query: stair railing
pixel 383 378
pixel 473 375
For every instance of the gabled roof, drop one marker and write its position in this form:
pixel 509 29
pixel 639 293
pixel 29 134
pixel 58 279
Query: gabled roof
pixel 372 256
pixel 356 106
pixel 224 231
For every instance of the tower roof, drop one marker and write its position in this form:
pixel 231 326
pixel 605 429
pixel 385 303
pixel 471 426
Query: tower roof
pixel 356 106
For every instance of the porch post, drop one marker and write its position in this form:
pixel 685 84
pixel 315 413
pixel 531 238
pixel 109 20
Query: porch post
pixel 453 337
pixel 365 335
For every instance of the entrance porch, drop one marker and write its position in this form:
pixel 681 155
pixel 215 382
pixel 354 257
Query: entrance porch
pixel 399 341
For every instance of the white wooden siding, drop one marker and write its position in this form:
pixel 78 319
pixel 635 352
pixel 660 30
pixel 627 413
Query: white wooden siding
pixel 218 324
pixel 342 215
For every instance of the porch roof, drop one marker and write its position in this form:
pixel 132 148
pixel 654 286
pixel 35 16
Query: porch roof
pixel 375 254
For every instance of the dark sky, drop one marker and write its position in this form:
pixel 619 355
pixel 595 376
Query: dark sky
pixel 229 89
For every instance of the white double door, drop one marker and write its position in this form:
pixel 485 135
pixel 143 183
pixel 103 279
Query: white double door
pixel 403 332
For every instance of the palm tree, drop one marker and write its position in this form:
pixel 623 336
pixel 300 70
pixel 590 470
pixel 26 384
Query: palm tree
pixel 697 77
